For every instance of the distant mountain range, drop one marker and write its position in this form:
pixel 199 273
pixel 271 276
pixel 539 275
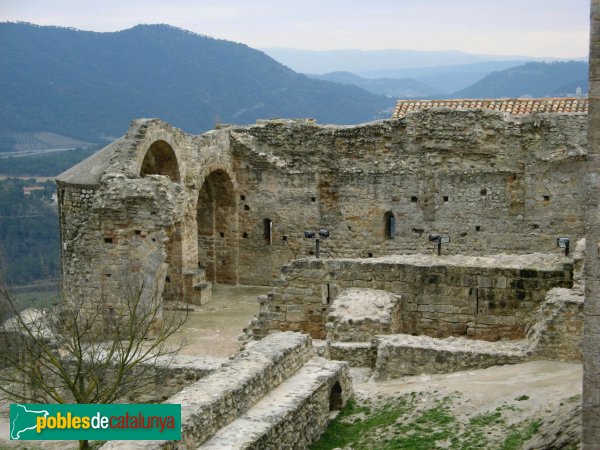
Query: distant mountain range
pixel 556 79
pixel 59 86
pixel 364 62
pixel 443 71
pixel 89 86
pixel 533 79
pixel 392 87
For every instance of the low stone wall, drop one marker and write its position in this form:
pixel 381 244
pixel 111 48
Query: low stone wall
pixel 556 334
pixel 358 315
pixel 400 355
pixel 171 375
pixel 292 416
pixel 356 354
pixel 487 298
pixel 221 397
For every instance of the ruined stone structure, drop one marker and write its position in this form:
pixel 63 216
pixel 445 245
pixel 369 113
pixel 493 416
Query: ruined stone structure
pixel 231 205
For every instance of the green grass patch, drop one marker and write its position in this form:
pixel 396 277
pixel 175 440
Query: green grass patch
pixel 517 438
pixel 410 422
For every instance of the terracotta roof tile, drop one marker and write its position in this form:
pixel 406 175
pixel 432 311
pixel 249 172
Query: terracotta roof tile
pixel 510 105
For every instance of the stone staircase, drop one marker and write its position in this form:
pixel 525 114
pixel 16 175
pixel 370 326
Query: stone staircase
pixel 276 393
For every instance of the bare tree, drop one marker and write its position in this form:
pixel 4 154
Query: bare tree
pixel 77 353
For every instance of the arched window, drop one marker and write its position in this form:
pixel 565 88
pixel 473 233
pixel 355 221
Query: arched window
pixel 160 159
pixel 268 231
pixel 389 222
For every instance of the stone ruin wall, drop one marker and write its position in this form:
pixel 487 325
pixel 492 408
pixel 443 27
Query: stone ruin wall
pixel 486 298
pixel 493 182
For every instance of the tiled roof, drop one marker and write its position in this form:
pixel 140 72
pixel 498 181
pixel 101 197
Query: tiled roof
pixel 510 105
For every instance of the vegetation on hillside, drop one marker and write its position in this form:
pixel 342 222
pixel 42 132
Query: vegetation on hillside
pixel 556 79
pixel 89 85
pixel 29 238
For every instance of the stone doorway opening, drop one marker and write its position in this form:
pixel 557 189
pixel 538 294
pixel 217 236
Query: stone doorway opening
pixel 217 229
pixel 335 397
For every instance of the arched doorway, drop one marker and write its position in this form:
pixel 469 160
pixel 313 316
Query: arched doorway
pixel 160 159
pixel 217 229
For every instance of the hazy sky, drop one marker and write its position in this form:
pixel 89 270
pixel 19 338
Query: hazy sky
pixel 556 28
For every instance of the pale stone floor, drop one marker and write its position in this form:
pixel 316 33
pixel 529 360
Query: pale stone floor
pixel 213 329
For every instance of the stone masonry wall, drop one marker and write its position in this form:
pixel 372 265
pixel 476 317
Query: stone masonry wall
pixel 492 181
pixel 482 297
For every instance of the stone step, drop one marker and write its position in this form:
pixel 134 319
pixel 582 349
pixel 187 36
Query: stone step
pixel 293 415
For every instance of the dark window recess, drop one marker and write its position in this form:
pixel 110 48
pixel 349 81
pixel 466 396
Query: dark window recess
pixel 245 235
pixel 221 234
pixel 389 223
pixel 107 274
pixel 418 230
pixel 311 253
pixel 463 234
pixel 246 208
pixel 546 198
pixel 242 197
pixel 370 255
pixel 268 231
pixel 446 199
pixel 168 279
pixel 478 228
pixel 483 191
pixel 313 199
pixel 138 232
pixel 535 226
pixel 284 238
pixel 108 240
pixel 414 199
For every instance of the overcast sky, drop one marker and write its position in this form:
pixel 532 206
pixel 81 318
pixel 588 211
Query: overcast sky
pixel 557 28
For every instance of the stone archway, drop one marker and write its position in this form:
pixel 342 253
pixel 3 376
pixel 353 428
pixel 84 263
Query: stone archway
pixel 160 159
pixel 217 228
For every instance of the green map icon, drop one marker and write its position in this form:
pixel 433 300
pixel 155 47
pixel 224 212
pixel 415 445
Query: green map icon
pixel 23 420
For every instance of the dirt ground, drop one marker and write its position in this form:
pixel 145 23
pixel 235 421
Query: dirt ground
pixel 214 329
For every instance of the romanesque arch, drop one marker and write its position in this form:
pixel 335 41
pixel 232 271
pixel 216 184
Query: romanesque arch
pixel 217 228
pixel 160 159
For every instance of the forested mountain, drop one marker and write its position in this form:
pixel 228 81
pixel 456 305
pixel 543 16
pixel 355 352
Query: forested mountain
pixel 555 79
pixel 89 85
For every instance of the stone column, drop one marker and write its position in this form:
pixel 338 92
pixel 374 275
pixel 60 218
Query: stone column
pixel 591 345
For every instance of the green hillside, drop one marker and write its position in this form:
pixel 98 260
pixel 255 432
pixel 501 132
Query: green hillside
pixel 555 79
pixel 89 85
